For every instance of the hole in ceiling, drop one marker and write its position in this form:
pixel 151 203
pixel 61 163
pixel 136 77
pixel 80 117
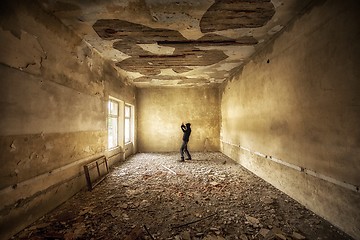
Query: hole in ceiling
pixel 110 31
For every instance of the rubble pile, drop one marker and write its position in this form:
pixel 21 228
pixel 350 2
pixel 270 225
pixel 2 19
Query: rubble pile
pixel 154 196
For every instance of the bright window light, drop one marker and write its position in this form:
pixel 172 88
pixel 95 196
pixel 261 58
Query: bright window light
pixel 113 121
pixel 127 134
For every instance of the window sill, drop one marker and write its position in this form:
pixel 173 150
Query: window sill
pixel 113 149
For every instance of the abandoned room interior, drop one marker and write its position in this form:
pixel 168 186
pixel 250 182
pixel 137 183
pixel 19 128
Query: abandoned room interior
pixel 93 94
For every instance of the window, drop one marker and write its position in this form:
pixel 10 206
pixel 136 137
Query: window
pixel 127 134
pixel 113 121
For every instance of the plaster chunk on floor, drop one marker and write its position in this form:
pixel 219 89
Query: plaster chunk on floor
pixel 209 197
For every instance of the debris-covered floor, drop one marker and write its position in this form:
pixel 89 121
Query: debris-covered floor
pixel 154 196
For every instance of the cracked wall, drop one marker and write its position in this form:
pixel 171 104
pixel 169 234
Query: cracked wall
pixel 291 116
pixel 295 121
pixel 162 110
pixel 53 95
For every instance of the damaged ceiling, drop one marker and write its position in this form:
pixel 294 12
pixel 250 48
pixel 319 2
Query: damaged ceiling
pixel 176 42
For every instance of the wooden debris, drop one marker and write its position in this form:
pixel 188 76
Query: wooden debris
pixel 149 197
pixel 186 224
pixel 169 169
pixel 147 230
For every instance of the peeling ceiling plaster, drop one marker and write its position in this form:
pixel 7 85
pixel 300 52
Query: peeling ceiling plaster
pixel 175 42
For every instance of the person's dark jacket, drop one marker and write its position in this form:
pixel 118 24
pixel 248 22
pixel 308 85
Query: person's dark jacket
pixel 187 131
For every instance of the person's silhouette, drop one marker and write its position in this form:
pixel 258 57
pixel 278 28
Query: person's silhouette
pixel 187 131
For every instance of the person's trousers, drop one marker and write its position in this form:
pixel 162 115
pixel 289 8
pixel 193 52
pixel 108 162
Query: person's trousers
pixel 184 149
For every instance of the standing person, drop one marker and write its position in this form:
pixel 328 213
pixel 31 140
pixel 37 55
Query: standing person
pixel 187 131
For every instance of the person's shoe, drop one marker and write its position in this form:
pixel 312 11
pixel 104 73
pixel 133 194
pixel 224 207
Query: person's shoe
pixel 188 159
pixel 182 160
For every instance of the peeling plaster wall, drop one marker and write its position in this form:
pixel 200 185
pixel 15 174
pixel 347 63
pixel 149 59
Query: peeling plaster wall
pixel 162 110
pixel 53 94
pixel 292 114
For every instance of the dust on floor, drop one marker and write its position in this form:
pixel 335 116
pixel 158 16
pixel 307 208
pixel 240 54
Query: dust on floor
pixel 154 196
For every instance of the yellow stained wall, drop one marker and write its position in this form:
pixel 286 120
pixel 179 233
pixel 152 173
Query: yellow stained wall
pixel 53 106
pixel 292 114
pixel 162 110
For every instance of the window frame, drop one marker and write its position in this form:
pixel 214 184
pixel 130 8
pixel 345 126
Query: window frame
pixel 116 117
pixel 128 130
